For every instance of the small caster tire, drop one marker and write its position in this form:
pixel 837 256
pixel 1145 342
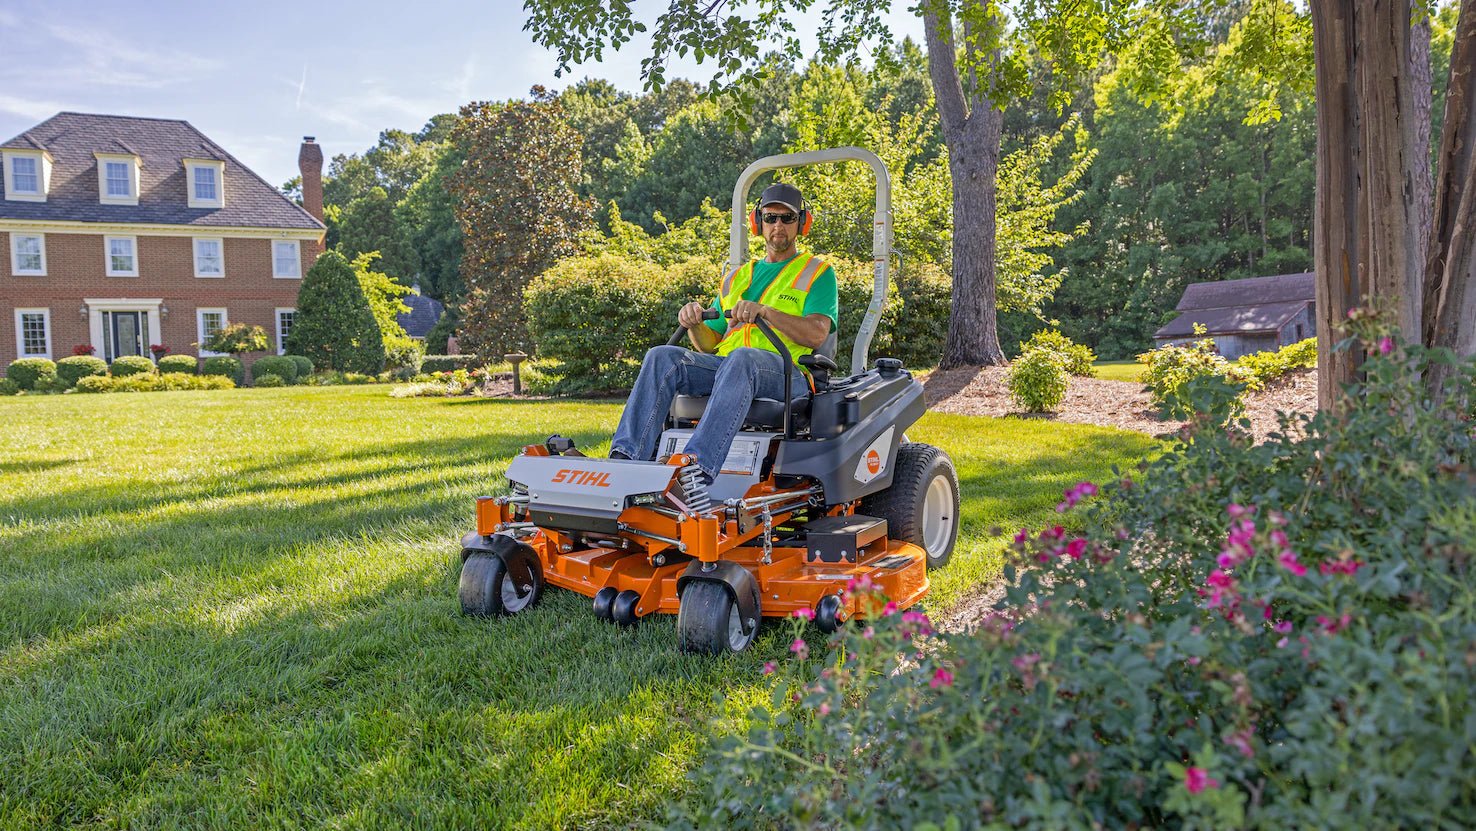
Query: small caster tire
pixel 624 609
pixel 489 588
pixel 708 622
pixel 828 614
pixel 604 603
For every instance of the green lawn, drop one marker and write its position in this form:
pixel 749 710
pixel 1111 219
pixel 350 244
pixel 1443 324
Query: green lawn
pixel 237 609
pixel 1120 370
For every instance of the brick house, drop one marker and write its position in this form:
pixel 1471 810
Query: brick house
pixel 1256 314
pixel 122 232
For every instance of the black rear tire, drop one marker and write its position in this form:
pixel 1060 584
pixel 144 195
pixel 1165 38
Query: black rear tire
pixel 708 621
pixel 921 506
pixel 488 590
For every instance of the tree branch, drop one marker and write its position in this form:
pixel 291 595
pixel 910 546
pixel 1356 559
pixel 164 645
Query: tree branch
pixel 938 29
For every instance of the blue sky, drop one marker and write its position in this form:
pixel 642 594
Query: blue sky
pixel 259 76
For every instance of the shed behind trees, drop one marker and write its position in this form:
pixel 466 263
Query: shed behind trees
pixel 1243 316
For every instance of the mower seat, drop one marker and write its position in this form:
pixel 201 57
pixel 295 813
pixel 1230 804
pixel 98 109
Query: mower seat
pixel 763 413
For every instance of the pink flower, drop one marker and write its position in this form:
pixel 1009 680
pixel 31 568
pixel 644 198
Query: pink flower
pixel 800 649
pixel 1076 548
pixel 769 667
pixel 824 708
pixel 1237 511
pixel 1241 740
pixel 1053 533
pixel 1282 627
pixel 1197 779
pixel 805 613
pixel 1022 537
pixel 941 678
pixel 1386 345
pixel 1330 626
pixel 1025 662
pixel 868 633
pixel 889 609
pixel 1288 561
pixel 1348 567
pixel 1220 579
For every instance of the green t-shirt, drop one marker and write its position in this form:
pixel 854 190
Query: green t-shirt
pixel 821 299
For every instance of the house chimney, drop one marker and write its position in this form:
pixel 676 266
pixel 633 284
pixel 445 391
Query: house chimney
pixel 310 164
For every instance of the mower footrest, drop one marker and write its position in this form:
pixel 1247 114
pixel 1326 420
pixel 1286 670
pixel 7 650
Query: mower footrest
pixel 839 539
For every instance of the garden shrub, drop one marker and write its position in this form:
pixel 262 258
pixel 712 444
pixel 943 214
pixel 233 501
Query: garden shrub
pixel 154 383
pixel 226 366
pixel 304 367
pixel 1037 380
pixel 1177 374
pixel 1260 368
pixel 326 378
pixel 50 383
pixel 9 387
pixel 238 338
pixel 268 379
pixel 73 369
pixel 26 371
pixel 283 367
pixel 335 327
pixel 447 363
pixel 188 364
pixel 96 383
pixel 1075 358
pixel 127 365
pixel 1243 636
pixel 358 378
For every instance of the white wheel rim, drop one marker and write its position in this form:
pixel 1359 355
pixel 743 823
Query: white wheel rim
pixel 937 519
pixel 509 591
pixel 736 639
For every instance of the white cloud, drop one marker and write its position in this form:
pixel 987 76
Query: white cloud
pixel 29 108
pixel 89 58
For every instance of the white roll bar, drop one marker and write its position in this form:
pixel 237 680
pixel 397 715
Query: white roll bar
pixel 881 234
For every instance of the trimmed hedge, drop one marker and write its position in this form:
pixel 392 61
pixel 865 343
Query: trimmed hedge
pixel 154 383
pixel 304 366
pixel 283 367
pixel 448 363
pixel 9 387
pixel 127 365
pixel 26 371
pixel 267 379
pixel 1037 380
pixel 73 369
pixel 222 365
pixel 188 364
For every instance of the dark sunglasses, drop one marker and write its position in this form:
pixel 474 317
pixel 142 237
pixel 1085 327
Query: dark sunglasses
pixel 787 219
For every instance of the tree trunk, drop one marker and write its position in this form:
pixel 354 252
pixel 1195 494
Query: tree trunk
pixel 972 134
pixel 1450 276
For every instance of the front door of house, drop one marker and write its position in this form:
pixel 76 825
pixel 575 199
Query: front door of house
pixel 127 333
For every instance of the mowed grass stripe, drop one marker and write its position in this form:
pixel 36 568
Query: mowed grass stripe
pixel 237 609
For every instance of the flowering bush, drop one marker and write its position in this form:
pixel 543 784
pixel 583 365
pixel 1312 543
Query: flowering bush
pixel 1270 636
pixel 159 350
pixel 1183 380
pixel 84 349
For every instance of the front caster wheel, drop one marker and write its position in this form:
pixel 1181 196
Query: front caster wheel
pixel 624 610
pixel 604 603
pixel 490 588
pixel 708 622
pixel 828 614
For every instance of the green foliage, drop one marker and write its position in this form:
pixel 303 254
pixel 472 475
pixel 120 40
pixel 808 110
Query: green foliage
pixel 335 327
pixel 1269 636
pixel 50 384
pixel 519 212
pixel 279 365
pixel 1038 380
pixel 127 365
pixel 1183 380
pixel 449 363
pixel 25 371
pixel 1075 358
pixel 169 381
pixel 387 300
pixel 268 379
pixel 437 340
pixel 703 236
pixel 223 366
pixel 368 225
pixel 238 338
pixel 179 363
pixel 304 366
pixel 77 367
pixel 1260 368
pixel 9 386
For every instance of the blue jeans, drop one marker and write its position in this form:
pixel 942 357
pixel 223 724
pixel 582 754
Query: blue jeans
pixel 732 382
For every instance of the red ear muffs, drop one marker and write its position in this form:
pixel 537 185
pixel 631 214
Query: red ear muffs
pixel 806 219
pixel 753 223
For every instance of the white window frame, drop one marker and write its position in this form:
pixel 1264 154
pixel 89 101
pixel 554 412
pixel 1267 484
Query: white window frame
pixel 296 259
pixel 200 334
pixel 102 178
pixel 20 334
pixel 195 249
pixel 277 316
pixel 108 255
pixel 43 175
pixel 193 165
pixel 15 268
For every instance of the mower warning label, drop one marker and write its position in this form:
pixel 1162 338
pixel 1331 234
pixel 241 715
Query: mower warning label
pixel 874 459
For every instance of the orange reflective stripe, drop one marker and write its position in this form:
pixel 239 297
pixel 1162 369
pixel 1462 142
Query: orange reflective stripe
pixel 811 270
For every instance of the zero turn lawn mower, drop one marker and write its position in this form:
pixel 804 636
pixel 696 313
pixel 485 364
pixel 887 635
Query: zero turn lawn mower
pixel 815 492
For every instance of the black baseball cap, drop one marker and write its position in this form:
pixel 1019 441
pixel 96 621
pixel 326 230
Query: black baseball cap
pixel 780 193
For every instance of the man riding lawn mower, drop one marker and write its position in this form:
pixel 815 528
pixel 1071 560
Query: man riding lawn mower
pixel 744 481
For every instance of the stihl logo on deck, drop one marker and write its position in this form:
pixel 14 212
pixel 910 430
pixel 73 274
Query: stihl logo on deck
pixel 873 462
pixel 582 477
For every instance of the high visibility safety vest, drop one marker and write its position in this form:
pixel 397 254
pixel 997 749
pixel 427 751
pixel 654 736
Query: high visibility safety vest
pixel 786 293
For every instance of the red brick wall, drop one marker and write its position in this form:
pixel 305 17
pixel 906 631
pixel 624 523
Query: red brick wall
pixel 75 269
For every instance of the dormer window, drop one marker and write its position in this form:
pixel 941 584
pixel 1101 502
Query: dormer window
pixel 27 175
pixel 117 179
pixel 205 179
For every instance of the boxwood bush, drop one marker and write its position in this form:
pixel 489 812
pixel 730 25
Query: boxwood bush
pixel 154 383
pixel 127 365
pixel 222 365
pixel 267 379
pixel 1038 380
pixel 1261 368
pixel 1260 636
pixel 304 367
pixel 283 367
pixel 9 387
pixel 1075 358
pixel 188 364
pixel 73 369
pixel 26 371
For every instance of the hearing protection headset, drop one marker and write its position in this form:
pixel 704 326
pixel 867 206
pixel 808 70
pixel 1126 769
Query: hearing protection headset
pixel 755 220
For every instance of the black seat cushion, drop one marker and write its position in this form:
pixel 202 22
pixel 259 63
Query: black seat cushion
pixel 763 413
